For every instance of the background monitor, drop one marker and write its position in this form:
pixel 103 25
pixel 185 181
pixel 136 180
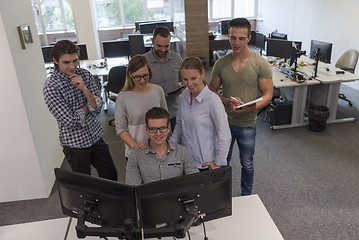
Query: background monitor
pixel 167 24
pixel 278 35
pixel 223 26
pixel 166 201
pixel 137 23
pixel 280 48
pixel 147 28
pixel 325 50
pixel 112 201
pixel 83 52
pixel 253 38
pixel 116 48
pixel 260 41
pixel 46 53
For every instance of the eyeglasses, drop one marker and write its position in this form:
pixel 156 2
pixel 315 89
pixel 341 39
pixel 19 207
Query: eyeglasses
pixel 145 77
pixel 162 129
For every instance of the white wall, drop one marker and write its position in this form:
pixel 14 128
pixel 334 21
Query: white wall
pixel 325 20
pixel 29 145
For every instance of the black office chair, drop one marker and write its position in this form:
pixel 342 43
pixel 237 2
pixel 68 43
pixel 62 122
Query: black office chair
pixel 136 43
pixel 115 82
pixel 347 62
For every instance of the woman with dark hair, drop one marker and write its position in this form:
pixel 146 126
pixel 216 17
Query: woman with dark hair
pixel 136 98
pixel 201 122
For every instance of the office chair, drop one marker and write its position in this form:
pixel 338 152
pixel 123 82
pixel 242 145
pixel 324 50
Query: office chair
pixel 136 43
pixel 347 62
pixel 115 82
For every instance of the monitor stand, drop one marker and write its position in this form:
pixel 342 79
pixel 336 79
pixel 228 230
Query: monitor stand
pixel 127 231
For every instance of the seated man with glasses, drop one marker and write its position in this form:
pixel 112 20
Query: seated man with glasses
pixel 161 159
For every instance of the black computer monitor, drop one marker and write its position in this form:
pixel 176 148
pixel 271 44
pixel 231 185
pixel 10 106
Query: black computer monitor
pixel 100 201
pixel 278 35
pixel 223 26
pixel 280 48
pixel 46 53
pixel 116 48
pixel 106 203
pixel 83 51
pixel 147 28
pixel 137 23
pixel 325 53
pixel 169 202
pixel 260 41
pixel 167 24
pixel 253 38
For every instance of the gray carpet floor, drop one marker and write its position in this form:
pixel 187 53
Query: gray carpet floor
pixel 308 181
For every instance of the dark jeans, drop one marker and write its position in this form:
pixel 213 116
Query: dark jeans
pixel 246 138
pixel 98 155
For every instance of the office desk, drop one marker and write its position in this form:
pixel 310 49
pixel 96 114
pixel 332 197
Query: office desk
pixel 94 65
pixel 221 42
pixel 327 93
pixel 293 91
pixel 324 90
pixel 249 220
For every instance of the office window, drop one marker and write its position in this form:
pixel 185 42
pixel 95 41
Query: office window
pixel 53 15
pixel 117 13
pixel 228 9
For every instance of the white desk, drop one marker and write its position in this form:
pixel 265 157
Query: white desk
pixel 93 65
pixel 324 90
pixel 250 220
pixel 327 93
pixel 296 92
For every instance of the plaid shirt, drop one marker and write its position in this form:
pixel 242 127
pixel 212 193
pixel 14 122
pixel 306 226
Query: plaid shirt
pixel 65 102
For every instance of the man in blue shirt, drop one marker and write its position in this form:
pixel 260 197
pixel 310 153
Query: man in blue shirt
pixel 72 96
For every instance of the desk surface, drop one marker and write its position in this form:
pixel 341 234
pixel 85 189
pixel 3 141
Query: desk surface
pixel 250 220
pixel 93 65
pixel 324 76
pixel 221 42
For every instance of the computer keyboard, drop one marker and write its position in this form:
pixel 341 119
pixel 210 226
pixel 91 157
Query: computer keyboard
pixel 286 71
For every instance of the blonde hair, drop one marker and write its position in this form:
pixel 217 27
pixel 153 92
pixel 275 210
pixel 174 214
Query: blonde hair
pixel 137 62
pixel 192 63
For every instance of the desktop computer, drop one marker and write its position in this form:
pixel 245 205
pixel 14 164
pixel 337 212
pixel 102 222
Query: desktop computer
pixel 280 113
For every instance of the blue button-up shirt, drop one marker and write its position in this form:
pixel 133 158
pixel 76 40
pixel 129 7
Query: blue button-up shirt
pixel 66 103
pixel 202 127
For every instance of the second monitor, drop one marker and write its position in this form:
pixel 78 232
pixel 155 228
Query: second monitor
pixel 147 28
pixel 280 48
pixel 116 48
pixel 325 53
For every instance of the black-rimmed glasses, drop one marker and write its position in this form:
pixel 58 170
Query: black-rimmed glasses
pixel 145 77
pixel 162 129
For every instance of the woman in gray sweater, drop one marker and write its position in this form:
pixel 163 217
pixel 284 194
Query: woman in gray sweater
pixel 132 103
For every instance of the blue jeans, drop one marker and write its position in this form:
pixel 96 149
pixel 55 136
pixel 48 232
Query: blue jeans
pixel 246 138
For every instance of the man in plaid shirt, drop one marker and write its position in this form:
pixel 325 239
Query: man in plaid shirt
pixel 72 96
